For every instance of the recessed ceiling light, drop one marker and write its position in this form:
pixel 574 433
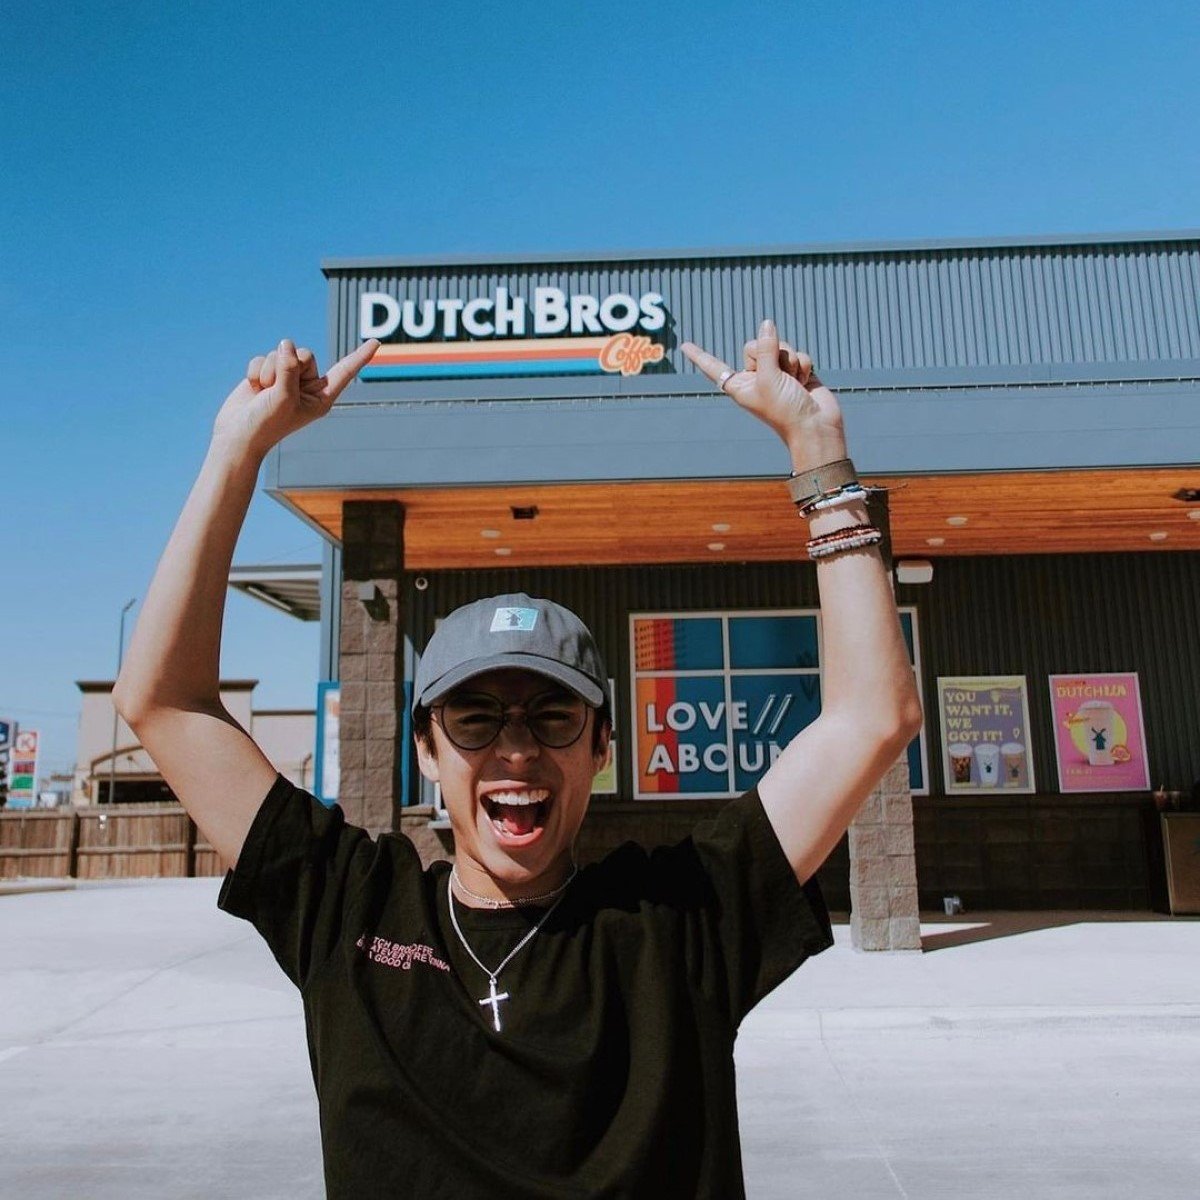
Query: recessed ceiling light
pixel 956 521
pixel 722 527
pixel 489 533
pixel 1158 535
pixel 716 545
pixel 935 541
pixel 504 551
pixel 1194 515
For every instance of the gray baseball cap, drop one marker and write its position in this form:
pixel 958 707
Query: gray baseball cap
pixel 513 630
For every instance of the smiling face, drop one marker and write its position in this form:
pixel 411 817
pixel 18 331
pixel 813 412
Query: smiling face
pixel 515 805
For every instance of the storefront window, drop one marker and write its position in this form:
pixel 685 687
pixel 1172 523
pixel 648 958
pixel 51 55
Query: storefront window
pixel 717 696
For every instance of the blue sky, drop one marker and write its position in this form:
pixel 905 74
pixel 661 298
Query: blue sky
pixel 174 174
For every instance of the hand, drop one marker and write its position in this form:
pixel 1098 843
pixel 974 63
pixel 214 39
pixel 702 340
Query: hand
pixel 282 392
pixel 778 385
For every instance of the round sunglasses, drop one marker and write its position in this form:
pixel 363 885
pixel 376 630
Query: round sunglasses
pixel 473 720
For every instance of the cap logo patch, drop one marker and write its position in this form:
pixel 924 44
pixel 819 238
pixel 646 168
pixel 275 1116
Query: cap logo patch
pixel 523 619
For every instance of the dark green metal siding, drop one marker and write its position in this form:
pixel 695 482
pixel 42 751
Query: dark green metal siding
pixel 1043 615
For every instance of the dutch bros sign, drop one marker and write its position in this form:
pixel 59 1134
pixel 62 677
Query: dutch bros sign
pixel 572 334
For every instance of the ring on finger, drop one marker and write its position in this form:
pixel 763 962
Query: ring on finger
pixel 725 377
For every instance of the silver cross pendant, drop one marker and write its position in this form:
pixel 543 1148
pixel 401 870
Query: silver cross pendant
pixel 494 1000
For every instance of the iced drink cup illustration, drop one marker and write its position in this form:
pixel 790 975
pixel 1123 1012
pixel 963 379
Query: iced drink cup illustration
pixel 987 758
pixel 1012 764
pixel 1099 725
pixel 960 763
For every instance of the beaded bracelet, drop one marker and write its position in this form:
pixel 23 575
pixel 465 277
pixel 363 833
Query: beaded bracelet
pixel 854 543
pixel 837 534
pixel 852 538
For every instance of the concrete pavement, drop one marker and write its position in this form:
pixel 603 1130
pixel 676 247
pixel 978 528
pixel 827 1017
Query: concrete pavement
pixel 1045 1057
pixel 149 1047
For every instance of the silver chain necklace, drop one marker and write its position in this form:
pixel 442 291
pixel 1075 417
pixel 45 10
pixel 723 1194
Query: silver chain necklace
pixel 494 997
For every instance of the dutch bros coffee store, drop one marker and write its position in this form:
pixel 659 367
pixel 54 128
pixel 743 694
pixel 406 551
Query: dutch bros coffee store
pixel 1032 408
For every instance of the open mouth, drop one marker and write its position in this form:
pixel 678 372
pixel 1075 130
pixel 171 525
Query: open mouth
pixel 517 814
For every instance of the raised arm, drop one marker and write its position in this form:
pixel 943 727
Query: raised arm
pixel 870 709
pixel 169 687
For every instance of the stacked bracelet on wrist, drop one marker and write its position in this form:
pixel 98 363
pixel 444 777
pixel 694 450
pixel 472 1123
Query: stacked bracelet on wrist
pixel 831 486
pixel 853 537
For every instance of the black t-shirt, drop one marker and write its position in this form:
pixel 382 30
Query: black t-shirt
pixel 613 1073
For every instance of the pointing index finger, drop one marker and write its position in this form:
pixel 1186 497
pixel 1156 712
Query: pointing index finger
pixel 345 369
pixel 710 364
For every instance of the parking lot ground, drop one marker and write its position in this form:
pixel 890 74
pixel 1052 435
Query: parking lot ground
pixel 150 1047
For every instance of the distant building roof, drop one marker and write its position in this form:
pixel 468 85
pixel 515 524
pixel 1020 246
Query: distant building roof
pixel 105 685
pixel 295 590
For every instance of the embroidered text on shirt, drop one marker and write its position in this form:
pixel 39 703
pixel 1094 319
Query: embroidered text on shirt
pixel 395 954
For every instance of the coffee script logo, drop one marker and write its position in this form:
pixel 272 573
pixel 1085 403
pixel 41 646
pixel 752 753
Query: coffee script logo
pixel 572 334
pixel 629 354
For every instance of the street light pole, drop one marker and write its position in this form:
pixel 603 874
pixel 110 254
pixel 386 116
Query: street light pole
pixel 112 762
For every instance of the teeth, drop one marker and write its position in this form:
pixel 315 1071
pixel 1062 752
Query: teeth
pixel 532 796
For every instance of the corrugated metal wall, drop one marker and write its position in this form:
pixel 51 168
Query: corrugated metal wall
pixel 1050 615
pixel 915 310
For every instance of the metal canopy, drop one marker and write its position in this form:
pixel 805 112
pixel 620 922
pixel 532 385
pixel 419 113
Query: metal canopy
pixel 295 590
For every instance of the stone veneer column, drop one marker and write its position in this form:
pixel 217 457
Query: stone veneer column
pixel 883 868
pixel 884 914
pixel 371 658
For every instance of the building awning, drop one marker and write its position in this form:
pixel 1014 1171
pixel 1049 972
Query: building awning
pixel 750 520
pixel 295 590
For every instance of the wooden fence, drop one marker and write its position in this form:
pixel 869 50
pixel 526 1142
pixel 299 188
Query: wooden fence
pixel 128 841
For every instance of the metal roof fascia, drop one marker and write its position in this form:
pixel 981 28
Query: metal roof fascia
pixel 1133 424
pixel 801 249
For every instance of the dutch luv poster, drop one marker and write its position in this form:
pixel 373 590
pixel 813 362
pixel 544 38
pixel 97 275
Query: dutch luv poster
pixel 985 734
pixel 1099 737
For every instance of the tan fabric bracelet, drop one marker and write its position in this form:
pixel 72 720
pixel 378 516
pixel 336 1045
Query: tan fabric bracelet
pixel 806 487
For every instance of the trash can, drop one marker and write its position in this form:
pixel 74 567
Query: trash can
pixel 1181 849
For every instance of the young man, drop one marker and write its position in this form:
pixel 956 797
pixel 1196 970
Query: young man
pixel 514 1025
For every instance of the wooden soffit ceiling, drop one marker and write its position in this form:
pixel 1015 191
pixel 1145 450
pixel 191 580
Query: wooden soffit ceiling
pixel 1018 512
